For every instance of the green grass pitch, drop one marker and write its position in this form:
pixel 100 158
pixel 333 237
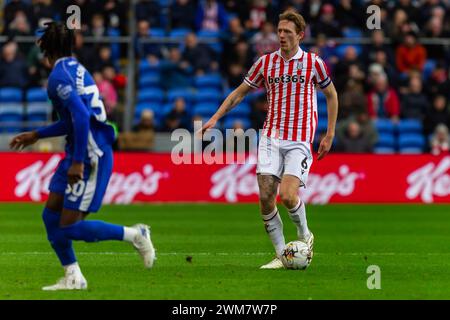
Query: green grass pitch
pixel 208 251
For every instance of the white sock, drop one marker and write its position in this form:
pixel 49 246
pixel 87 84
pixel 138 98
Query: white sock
pixel 73 268
pixel 298 217
pixel 274 228
pixel 129 234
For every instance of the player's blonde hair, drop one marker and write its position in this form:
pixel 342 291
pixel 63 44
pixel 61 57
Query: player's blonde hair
pixel 296 18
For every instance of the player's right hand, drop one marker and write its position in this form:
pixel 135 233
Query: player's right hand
pixel 211 123
pixel 75 173
pixel 23 140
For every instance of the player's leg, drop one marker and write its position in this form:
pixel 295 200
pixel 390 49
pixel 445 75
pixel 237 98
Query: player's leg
pixel 269 169
pixel 297 163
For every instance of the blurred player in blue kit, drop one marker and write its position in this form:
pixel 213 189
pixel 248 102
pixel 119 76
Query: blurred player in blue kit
pixel 80 181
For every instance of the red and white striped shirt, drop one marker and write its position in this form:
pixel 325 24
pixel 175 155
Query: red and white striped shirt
pixel 291 94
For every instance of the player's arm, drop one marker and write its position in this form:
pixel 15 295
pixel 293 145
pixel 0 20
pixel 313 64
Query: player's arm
pixel 26 139
pixel 232 100
pixel 80 121
pixel 332 110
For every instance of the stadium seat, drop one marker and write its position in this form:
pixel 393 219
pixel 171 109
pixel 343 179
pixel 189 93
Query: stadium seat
pixel 384 150
pixel 352 33
pixel 242 110
pixel 209 95
pixel 340 50
pixel 115 47
pixel 205 110
pixel 411 150
pixel 208 81
pixel 36 95
pixel 385 140
pixel 322 126
pixel 157 32
pixel 150 80
pixel 411 140
pixel 187 94
pixel 151 95
pixel 428 68
pixel 410 126
pixel 10 94
pixel 229 122
pixel 11 117
pixel 146 67
pixel 384 126
pixel 38 111
pixel 179 33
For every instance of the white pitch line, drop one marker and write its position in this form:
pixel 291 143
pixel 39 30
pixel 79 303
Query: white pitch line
pixel 234 253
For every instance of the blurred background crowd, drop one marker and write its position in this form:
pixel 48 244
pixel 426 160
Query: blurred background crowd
pixel 393 83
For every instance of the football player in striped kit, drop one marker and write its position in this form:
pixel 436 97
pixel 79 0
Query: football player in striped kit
pixel 290 76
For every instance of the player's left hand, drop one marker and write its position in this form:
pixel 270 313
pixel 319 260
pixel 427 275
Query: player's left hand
pixel 325 146
pixel 75 173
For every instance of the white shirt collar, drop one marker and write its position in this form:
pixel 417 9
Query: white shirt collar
pixel 298 55
pixel 62 59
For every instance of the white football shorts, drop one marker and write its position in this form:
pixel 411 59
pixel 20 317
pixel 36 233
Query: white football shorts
pixel 279 157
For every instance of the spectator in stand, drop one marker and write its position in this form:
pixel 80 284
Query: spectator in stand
pixel 234 34
pixel 259 12
pixel 175 73
pixel 407 6
pixel 242 54
pixel 38 68
pixel 10 11
pixel 103 59
pixel 150 51
pixel 414 103
pixel 146 122
pixel 382 100
pixel 198 55
pixel 440 141
pixel 352 100
pixel 349 14
pixel 410 54
pixel 352 139
pixel 435 29
pixel 149 10
pixel 178 117
pixel 438 114
pixel 327 23
pixel 266 40
pixel 438 83
pixel 396 26
pixel 388 68
pixel 13 68
pixel 43 10
pixel 342 68
pixel 85 53
pixel 326 50
pixel 182 14
pixel 143 136
pixel 107 92
pixel 376 46
pixel 211 15
pixel 98 27
pixel 21 27
pixel 114 13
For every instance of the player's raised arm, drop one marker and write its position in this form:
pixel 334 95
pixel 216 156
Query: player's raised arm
pixel 232 100
pixel 332 110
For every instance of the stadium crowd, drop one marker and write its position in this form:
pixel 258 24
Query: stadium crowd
pixel 392 85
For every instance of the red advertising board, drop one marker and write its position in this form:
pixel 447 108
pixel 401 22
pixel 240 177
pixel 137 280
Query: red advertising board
pixel 144 177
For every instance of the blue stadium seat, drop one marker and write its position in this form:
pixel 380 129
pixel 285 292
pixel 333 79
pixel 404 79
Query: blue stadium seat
pixel 209 95
pixel 38 111
pixel 352 33
pixel 157 32
pixel 150 80
pixel 384 150
pixel 322 126
pixel 242 110
pixel 208 81
pixel 322 110
pixel 384 126
pixel 115 47
pixel 151 95
pixel 208 34
pixel 340 50
pixel 229 122
pixel 428 68
pixel 205 109
pixel 36 95
pixel 410 126
pixel 10 94
pixel 411 140
pixel 411 150
pixel 385 140
pixel 11 115
pixel 146 67
pixel 187 94
pixel 179 32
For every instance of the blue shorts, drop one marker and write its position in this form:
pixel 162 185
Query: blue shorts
pixel 87 194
